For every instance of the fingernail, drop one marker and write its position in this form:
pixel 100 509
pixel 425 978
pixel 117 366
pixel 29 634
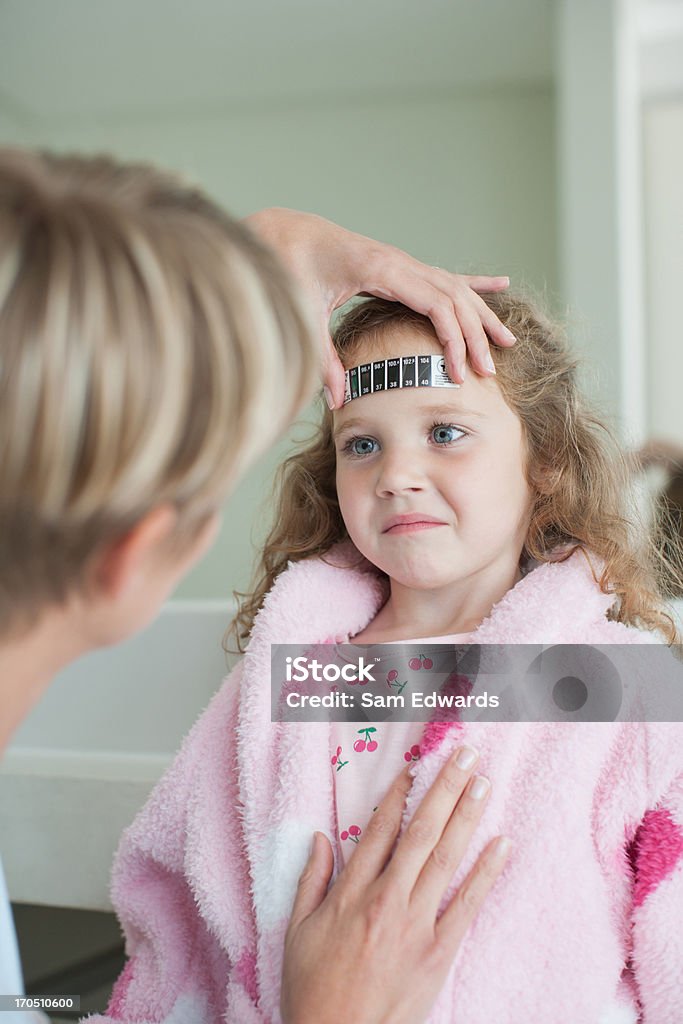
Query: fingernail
pixel 328 397
pixel 466 757
pixel 479 787
pixel 509 335
pixel 461 370
pixel 502 848
pixel 507 282
pixel 489 363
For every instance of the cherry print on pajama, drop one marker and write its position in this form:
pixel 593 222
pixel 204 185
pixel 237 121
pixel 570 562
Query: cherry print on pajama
pixel 393 682
pixel 413 754
pixel 337 760
pixel 355 682
pixel 353 833
pixel 366 744
pixel 421 662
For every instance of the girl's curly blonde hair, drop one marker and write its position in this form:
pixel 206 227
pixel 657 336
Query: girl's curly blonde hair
pixel 584 481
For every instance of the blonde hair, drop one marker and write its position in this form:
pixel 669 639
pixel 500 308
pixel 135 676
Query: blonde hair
pixel 150 349
pixel 582 479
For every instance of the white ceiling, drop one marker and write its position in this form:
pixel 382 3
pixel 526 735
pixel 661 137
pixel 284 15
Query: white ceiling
pixel 76 58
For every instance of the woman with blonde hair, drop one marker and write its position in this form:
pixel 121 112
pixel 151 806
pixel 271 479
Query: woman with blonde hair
pixel 151 347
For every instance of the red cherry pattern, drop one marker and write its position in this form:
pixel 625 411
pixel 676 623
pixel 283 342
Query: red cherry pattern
pixel 413 754
pixel 421 662
pixel 337 760
pixel 393 683
pixel 366 743
pixel 353 833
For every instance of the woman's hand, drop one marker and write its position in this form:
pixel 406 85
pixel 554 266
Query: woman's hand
pixel 334 264
pixel 374 950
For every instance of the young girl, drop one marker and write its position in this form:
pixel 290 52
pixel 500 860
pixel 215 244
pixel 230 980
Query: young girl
pixel 498 512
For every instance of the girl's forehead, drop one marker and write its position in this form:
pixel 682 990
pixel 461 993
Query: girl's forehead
pixel 394 340
pixel 410 408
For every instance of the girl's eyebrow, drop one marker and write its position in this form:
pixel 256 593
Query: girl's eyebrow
pixel 348 425
pixel 445 411
pixel 449 410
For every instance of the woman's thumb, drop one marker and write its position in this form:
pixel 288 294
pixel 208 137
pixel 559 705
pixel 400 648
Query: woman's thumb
pixel 333 372
pixel 314 879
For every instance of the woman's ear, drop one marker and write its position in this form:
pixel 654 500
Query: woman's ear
pixel 120 563
pixel 131 577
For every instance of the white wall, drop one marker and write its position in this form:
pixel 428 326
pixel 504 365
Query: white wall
pixel 462 180
pixel 663 175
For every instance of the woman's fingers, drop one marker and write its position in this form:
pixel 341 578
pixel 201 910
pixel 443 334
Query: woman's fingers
pixel 379 835
pixel 448 853
pixel 483 283
pixel 430 820
pixel 427 291
pixel 467 323
pixel 497 332
pixel 468 311
pixel 480 326
pixel 460 318
pixel 465 905
pixel 314 880
pixel 463 322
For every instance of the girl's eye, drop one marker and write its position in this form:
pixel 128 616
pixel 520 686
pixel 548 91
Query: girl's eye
pixel 360 446
pixel 446 433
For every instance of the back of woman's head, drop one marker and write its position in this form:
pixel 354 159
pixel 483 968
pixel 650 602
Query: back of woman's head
pixel 580 477
pixel 150 348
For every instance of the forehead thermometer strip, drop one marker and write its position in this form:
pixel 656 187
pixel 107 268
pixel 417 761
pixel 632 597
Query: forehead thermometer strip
pixel 401 372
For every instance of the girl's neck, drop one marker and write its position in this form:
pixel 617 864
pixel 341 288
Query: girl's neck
pixel 457 608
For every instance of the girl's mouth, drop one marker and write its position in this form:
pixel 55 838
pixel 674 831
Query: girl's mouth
pixel 411 523
pixel 421 524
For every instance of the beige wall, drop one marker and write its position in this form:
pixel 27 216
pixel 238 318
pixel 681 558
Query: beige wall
pixel 460 180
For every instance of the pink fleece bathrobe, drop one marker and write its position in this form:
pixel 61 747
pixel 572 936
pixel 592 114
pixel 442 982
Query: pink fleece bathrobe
pixel 585 926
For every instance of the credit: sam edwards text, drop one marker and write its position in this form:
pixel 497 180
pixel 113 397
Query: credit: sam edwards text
pixel 391 700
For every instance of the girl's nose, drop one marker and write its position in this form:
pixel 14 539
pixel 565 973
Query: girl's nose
pixel 399 473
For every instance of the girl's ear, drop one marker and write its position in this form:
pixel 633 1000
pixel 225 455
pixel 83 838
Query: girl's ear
pixel 546 478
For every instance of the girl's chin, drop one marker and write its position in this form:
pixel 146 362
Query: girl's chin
pixel 418 580
pixel 412 577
